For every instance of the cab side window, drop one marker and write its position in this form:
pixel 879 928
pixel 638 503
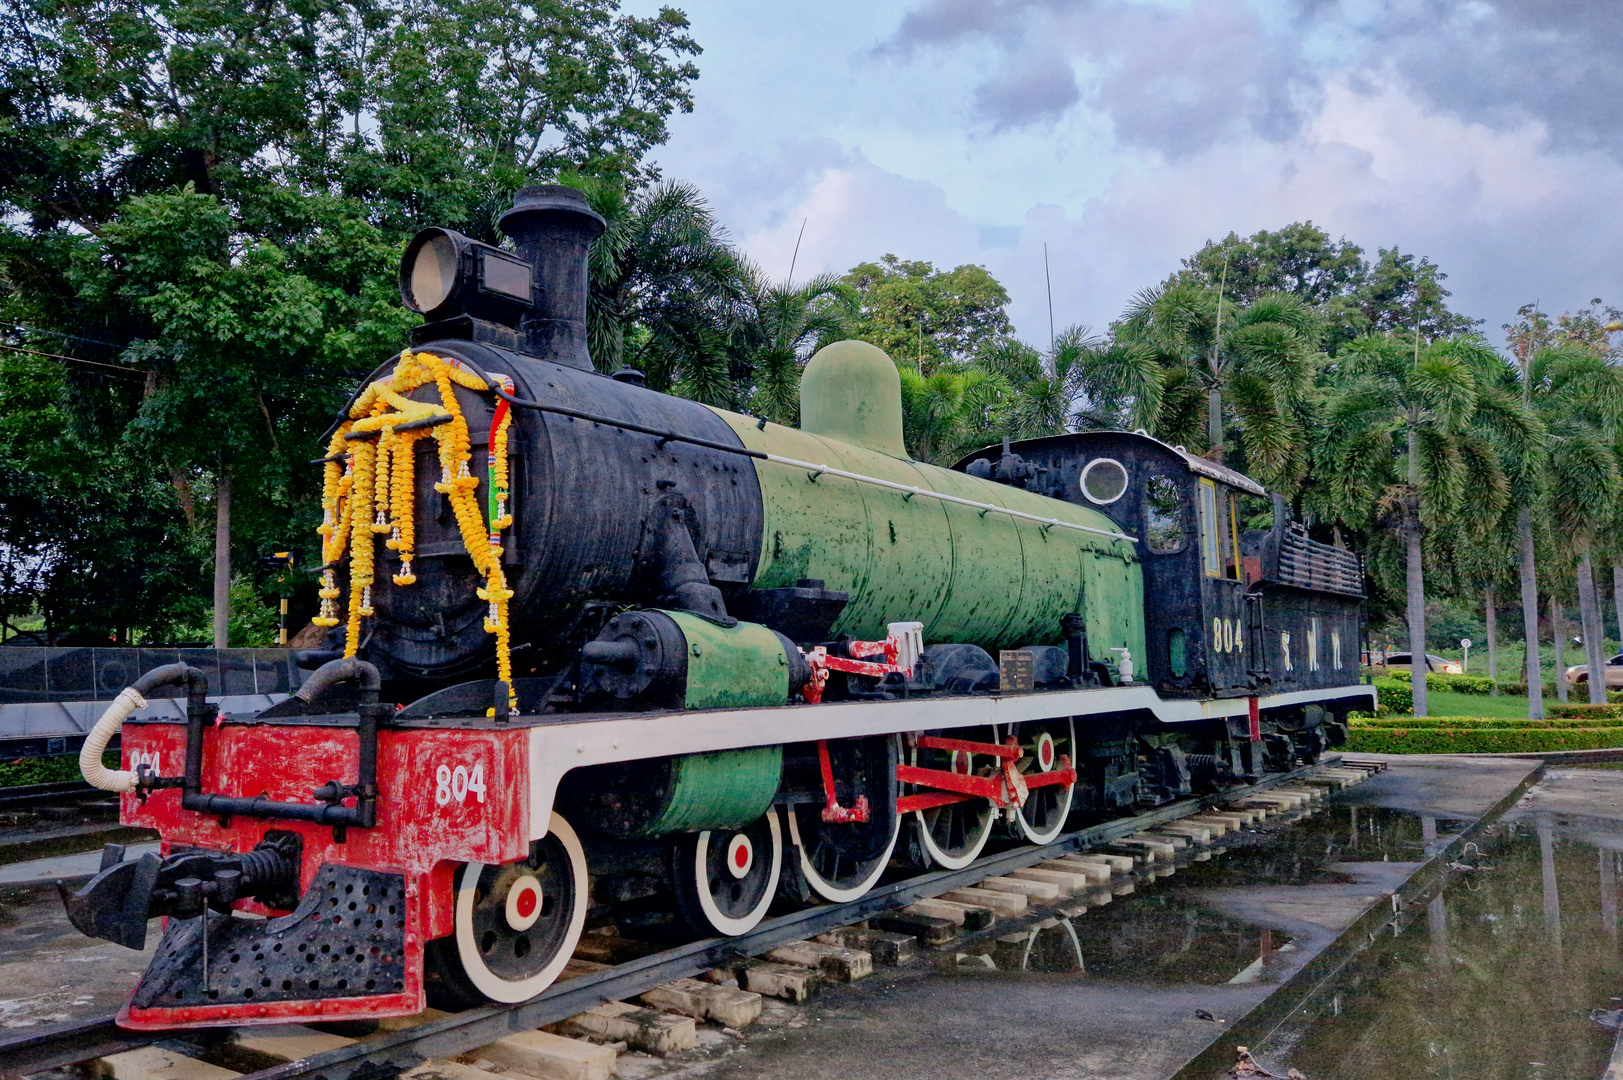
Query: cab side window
pixel 1209 528
pixel 1164 526
pixel 1231 537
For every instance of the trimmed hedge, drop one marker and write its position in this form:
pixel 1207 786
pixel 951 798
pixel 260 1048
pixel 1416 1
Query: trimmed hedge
pixel 1519 689
pixel 1565 724
pixel 1459 684
pixel 1555 709
pixel 47 770
pixel 1480 740
pixel 1396 697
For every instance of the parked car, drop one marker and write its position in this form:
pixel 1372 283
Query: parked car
pixel 1401 661
pixel 1578 675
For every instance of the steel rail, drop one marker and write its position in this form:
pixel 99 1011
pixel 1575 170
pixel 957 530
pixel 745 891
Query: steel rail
pixel 386 1054
pixel 13 798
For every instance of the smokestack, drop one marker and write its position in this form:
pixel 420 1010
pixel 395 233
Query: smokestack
pixel 553 228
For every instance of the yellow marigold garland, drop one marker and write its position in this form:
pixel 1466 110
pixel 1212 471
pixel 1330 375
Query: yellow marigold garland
pixel 373 493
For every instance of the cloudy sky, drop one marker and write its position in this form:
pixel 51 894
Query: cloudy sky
pixel 1486 134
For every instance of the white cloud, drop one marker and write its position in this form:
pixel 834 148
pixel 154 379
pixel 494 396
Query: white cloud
pixel 1193 119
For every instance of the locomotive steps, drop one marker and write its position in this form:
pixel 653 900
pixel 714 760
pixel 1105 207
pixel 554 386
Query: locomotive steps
pixel 624 1006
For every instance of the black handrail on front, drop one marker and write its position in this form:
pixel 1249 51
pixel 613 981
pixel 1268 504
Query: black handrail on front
pixel 331 809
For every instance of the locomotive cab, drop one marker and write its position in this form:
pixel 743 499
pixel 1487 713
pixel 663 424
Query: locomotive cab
pixel 1239 600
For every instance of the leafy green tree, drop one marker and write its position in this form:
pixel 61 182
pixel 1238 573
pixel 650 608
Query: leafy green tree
pixel 216 196
pixel 90 537
pixel 924 317
pixel 1083 382
pixel 1408 433
pixel 1352 295
pixel 950 411
pixel 1402 292
pixel 1579 397
pixel 1299 259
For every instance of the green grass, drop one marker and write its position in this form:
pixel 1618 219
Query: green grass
pixel 1447 703
pixel 1509 706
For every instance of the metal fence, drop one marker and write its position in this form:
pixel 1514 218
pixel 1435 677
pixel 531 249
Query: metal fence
pixel 45 674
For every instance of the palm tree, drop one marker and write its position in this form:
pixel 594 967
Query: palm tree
pixel 1579 398
pixel 665 285
pixel 951 410
pixel 776 330
pixel 1408 432
pixel 1261 357
pixel 1082 382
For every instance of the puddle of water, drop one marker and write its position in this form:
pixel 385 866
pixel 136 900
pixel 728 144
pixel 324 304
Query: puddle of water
pixel 1161 936
pixel 1306 853
pixel 1499 978
pixel 1165 933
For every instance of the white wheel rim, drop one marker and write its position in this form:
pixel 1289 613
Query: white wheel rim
pixel 941 857
pixel 962 764
pixel 827 890
pixel 743 924
pixel 488 982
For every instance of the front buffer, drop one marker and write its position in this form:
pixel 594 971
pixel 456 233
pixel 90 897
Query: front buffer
pixel 282 902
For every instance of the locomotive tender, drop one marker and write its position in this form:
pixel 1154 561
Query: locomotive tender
pixel 600 652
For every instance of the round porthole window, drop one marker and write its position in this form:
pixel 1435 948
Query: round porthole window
pixel 1104 480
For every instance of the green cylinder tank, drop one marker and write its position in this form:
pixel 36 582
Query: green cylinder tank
pixel 984 578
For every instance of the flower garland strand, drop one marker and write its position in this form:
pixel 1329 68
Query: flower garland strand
pixel 373 492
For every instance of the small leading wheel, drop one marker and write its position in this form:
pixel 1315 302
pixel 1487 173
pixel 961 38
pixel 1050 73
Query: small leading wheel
pixel 517 923
pixel 842 861
pixel 1043 745
pixel 725 879
pixel 953 836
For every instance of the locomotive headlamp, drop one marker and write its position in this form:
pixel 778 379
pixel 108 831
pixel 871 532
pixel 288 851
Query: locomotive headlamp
pixel 445 274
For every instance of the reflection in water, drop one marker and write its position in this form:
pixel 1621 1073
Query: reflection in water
pixel 1552 893
pixel 1049 947
pixel 1164 936
pixel 1497 982
pixel 1608 896
pixel 1307 852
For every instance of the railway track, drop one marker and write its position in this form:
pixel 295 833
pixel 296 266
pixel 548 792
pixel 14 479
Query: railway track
pixel 1145 841
pixel 65 793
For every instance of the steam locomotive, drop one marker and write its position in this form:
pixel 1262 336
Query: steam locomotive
pixel 603 653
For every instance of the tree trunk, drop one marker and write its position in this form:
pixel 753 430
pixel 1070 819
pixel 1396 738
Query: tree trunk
pixel 1214 422
pixel 222 560
pixel 1557 638
pixel 1417 620
pixel 1535 674
pixel 1493 639
pixel 1416 584
pixel 1617 598
pixel 1589 614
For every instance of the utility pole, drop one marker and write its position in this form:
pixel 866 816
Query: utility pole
pixel 1049 281
pixel 1214 396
